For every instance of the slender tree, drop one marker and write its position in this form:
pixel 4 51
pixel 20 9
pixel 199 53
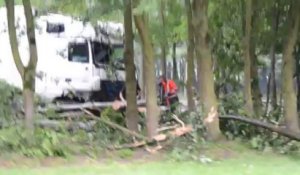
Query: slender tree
pixel 164 42
pixel 203 52
pixel 247 62
pixel 190 56
pixel 28 72
pixel 175 69
pixel 131 110
pixel 152 113
pixel 288 93
pixel 273 87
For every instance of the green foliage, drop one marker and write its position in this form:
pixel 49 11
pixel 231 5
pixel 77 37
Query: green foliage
pixel 125 153
pixel 145 6
pixel 45 142
pixel 114 116
pixel 232 103
pixel 10 101
pixel 106 135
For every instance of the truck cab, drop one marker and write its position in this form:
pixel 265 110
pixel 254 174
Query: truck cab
pixel 92 69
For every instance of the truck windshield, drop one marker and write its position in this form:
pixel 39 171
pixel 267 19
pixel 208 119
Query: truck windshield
pixel 79 52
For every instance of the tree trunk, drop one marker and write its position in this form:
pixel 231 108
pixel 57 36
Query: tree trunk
pixel 209 99
pixel 131 110
pixel 27 73
pixel 150 82
pixel 190 57
pixel 30 70
pixel 13 36
pixel 28 96
pixel 255 82
pixel 273 90
pixel 273 86
pixel 289 94
pixel 164 42
pixel 247 62
pixel 268 95
pixel 175 70
pixel 298 76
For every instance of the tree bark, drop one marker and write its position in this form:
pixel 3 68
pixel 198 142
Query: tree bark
pixel 164 43
pixel 27 73
pixel 247 62
pixel 289 94
pixel 131 110
pixel 268 95
pixel 273 86
pixel 257 102
pixel 150 82
pixel 175 70
pixel 13 36
pixel 209 99
pixel 190 57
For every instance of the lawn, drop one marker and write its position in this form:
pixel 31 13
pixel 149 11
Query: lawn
pixel 245 163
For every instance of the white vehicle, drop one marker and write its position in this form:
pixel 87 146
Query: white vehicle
pixel 93 69
pixel 73 57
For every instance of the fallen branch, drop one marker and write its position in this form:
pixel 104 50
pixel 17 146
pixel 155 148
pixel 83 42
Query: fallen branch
pixel 177 132
pixel 274 128
pixel 178 120
pixel 114 125
pixel 166 128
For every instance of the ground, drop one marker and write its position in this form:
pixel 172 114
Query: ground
pixel 227 159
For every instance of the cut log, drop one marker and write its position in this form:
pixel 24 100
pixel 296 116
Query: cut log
pixel 274 128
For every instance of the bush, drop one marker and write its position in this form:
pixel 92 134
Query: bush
pixel 44 142
pixel 10 101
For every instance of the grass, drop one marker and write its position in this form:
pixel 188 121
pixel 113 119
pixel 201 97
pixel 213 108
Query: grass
pixel 241 162
pixel 254 165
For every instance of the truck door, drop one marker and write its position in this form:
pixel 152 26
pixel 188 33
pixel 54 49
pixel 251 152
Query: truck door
pixel 80 67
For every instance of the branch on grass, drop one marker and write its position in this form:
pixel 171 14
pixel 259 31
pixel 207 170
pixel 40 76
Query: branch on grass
pixel 114 125
pixel 274 128
pixel 177 132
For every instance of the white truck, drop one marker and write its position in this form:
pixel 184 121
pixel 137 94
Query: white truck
pixel 74 57
pixel 93 67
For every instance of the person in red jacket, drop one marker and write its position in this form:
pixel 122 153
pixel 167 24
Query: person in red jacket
pixel 168 90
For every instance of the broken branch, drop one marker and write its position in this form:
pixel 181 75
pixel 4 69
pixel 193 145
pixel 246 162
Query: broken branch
pixel 114 125
pixel 278 129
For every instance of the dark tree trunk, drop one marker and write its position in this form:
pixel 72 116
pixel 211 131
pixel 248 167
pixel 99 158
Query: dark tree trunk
pixel 273 86
pixel 131 110
pixel 257 105
pixel 268 95
pixel 175 70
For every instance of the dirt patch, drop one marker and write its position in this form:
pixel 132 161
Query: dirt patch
pixel 221 151
pixel 140 155
pixel 53 161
